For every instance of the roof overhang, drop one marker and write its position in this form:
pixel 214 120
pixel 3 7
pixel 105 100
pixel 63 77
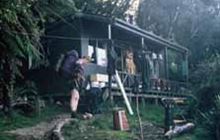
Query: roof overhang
pixel 135 30
pixel 115 22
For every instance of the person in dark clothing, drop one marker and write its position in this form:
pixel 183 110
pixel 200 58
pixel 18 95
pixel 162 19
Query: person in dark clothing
pixel 145 61
pixel 112 57
pixel 95 93
pixel 71 68
pixel 111 65
pixel 77 82
pixel 94 99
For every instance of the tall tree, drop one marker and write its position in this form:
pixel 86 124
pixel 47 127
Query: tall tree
pixel 191 23
pixel 195 24
pixel 20 46
pixel 110 8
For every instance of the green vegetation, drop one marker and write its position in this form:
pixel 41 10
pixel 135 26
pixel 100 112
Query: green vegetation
pixel 186 137
pixel 198 134
pixel 152 113
pixel 22 24
pixel 102 125
pixel 198 29
pixel 205 82
pixel 20 45
pixel 6 137
pixel 95 129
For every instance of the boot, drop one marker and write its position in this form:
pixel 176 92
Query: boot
pixel 73 114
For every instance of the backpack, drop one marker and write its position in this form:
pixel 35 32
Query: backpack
pixel 67 66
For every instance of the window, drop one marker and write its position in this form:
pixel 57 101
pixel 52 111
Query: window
pixel 97 51
pixel 101 56
pixel 176 66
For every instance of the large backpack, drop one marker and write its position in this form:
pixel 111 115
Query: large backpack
pixel 67 66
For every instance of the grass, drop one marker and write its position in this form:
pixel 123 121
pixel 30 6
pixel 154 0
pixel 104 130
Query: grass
pixel 21 121
pixel 198 134
pixel 101 127
pixel 191 136
pixel 6 137
pixel 98 128
pixel 152 113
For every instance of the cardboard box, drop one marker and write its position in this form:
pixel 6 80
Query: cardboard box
pixel 99 77
pixel 120 120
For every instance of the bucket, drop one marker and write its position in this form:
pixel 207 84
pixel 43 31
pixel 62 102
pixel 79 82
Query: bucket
pixel 120 120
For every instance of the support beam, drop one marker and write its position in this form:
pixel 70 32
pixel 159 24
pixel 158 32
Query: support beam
pixel 166 63
pixel 187 73
pixel 143 102
pixel 84 46
pixel 110 75
pixel 142 42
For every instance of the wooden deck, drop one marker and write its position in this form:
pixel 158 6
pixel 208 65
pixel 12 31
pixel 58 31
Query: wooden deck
pixel 148 96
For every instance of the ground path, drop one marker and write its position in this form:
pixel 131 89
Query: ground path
pixel 152 132
pixel 38 131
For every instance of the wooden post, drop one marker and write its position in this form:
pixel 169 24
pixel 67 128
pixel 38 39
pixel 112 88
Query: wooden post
pixel 187 73
pixel 130 97
pixel 110 75
pixel 84 46
pixel 143 102
pixel 122 60
pixel 166 63
pixel 156 100
pixel 142 42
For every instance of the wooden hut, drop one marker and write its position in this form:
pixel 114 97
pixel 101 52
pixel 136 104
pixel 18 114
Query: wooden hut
pixel 161 65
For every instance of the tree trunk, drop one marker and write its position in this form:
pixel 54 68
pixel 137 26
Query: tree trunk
pixel 7 86
pixel 217 132
pixel 6 101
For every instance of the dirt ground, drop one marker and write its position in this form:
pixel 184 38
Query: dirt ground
pixel 152 132
pixel 39 131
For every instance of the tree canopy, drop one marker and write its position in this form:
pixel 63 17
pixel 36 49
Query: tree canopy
pixel 194 24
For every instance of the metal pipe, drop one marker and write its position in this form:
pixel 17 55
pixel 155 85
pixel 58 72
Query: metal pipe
pixel 118 80
pixel 109 31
